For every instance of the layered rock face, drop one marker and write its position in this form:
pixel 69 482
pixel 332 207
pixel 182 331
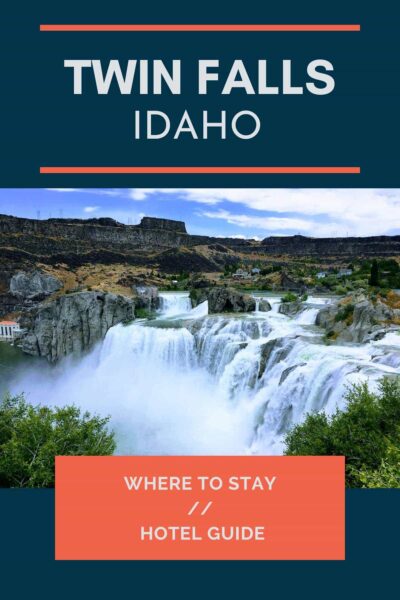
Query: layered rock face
pixel 163 224
pixel 72 324
pixel 154 243
pixel 57 235
pixel 357 318
pixel 161 243
pixel 299 245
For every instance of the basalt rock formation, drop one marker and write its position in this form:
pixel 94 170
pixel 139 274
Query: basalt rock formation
pixel 72 324
pixel 223 299
pixel 46 238
pixel 20 290
pixel 264 305
pixel 299 245
pixel 33 286
pixel 357 318
pixel 290 309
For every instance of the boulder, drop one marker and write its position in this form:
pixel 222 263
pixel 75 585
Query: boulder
pixel 72 324
pixel 35 285
pixel 223 299
pixel 264 305
pixel 291 309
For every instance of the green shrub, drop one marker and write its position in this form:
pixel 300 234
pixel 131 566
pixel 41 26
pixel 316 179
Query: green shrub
pixel 340 290
pixel 143 313
pixel 388 473
pixel 367 434
pixel 31 436
pixel 289 297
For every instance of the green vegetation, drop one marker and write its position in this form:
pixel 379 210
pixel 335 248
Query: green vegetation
pixel 367 434
pixel 143 313
pixel 388 473
pixel 31 436
pixel 345 313
pixel 290 297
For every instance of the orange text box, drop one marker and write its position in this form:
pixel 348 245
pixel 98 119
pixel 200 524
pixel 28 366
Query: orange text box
pixel 185 508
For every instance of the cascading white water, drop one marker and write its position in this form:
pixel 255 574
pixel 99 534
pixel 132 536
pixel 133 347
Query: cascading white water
pixel 173 304
pixel 217 384
pixel 307 316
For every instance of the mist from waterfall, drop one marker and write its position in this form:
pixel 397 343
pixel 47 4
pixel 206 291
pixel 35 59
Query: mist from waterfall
pixel 192 383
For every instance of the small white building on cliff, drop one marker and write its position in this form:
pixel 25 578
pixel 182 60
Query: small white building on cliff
pixel 8 330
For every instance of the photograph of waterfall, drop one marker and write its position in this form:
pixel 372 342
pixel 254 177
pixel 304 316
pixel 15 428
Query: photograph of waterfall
pixel 199 322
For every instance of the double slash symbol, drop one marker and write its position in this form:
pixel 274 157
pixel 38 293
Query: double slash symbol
pixel 203 512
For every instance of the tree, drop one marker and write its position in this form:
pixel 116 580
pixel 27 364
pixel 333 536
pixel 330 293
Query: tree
pixel 374 276
pixel 367 434
pixel 387 475
pixel 31 436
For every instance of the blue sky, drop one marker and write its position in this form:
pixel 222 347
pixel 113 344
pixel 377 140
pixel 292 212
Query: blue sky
pixel 237 212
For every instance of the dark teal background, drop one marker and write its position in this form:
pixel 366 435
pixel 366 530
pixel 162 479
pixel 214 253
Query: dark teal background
pixel 42 123
pixel 370 569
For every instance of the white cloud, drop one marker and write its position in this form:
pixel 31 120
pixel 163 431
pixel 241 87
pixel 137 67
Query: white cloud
pixel 94 191
pixel 140 194
pixel 90 209
pixel 66 190
pixel 318 212
pixel 267 223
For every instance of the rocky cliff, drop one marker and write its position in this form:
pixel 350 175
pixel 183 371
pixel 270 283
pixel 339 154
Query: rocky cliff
pixel 162 244
pixel 33 286
pixel 23 289
pixel 96 238
pixel 72 324
pixel 359 247
pixel 358 318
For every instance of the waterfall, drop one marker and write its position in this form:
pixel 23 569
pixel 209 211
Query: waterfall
pixel 151 345
pixel 192 383
pixel 219 339
pixel 174 303
pixel 199 311
pixel 307 316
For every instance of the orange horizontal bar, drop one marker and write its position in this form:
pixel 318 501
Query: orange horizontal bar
pixel 200 170
pixel 196 27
